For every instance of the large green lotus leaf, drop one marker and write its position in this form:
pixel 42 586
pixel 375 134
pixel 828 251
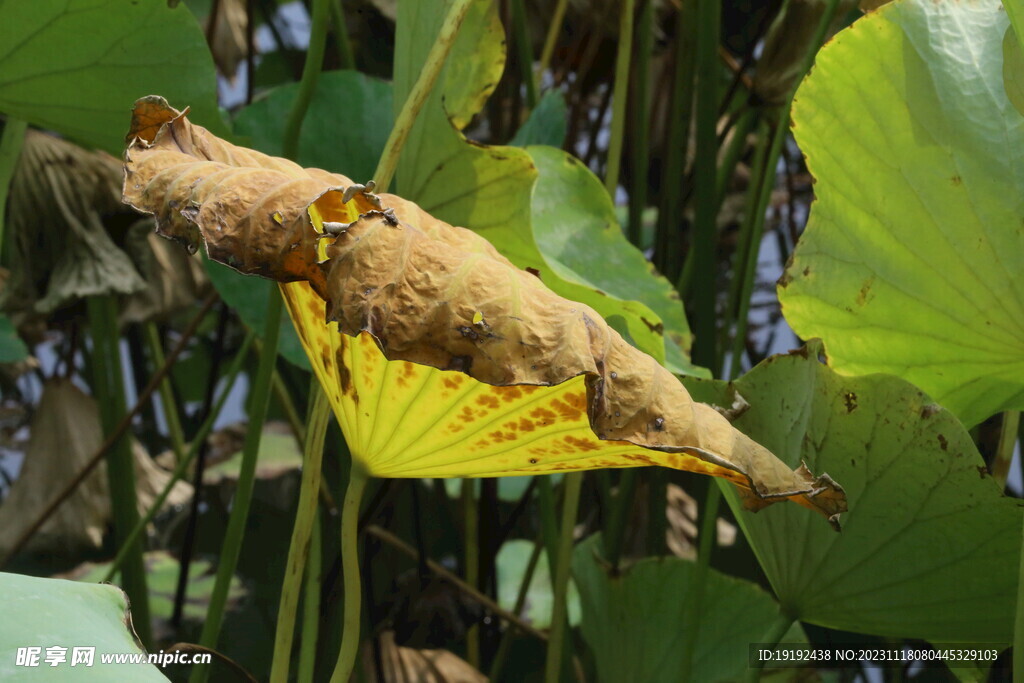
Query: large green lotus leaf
pixel 607 262
pixel 913 259
pixel 487 189
pixel 344 130
pixel 634 623
pixel 57 613
pixel 77 66
pixel 925 520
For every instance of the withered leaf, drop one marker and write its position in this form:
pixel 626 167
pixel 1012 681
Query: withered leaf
pixel 435 295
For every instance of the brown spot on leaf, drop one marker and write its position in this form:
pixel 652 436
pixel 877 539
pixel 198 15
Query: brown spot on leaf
pixel 850 400
pixel 943 443
pixel 657 328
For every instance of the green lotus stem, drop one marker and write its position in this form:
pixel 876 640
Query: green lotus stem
pixel 311 603
pixel 510 629
pixel 11 142
pixel 619 513
pixel 695 602
pixel 420 92
pixel 287 406
pixel 744 267
pixel 732 154
pixel 763 189
pixel 108 386
pixel 357 479
pixel 620 96
pixel 235 533
pixel 523 47
pixel 702 244
pixel 471 540
pixel 559 615
pixel 779 628
pixel 310 74
pixel 1018 622
pixel 667 250
pixel 182 466
pixel 552 38
pixel 641 130
pixel 1004 451
pixel 548 518
pixel 168 402
pixel 317 419
pixel 346 58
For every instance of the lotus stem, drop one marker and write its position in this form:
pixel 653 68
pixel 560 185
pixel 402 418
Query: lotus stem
pixel 641 130
pixel 183 464
pixel 524 49
pixel 552 38
pixel 419 93
pixel 108 387
pixel 235 533
pixel 11 142
pixel 559 616
pixel 350 570
pixel 620 97
pixel 168 402
pixel 310 74
pixel 471 541
pixel 346 58
pixel 317 419
pixel 311 603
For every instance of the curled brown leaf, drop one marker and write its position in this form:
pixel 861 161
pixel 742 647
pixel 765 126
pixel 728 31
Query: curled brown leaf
pixel 437 295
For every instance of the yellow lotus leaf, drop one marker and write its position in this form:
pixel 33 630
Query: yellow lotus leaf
pixel 440 358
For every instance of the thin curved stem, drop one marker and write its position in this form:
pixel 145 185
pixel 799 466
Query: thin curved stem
pixel 552 38
pixel 620 96
pixel 420 92
pixel 305 517
pixel 357 479
pixel 310 74
pixel 559 615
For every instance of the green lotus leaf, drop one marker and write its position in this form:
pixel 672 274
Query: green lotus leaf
pixel 925 519
pixel 913 259
pixel 54 613
pixel 634 622
pixel 77 66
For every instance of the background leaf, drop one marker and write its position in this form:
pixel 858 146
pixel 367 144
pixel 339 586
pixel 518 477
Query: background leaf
pixel 913 258
pixel 345 127
pixel 12 349
pixel 575 226
pixel 634 623
pixel 925 520
pixel 546 124
pixel 77 66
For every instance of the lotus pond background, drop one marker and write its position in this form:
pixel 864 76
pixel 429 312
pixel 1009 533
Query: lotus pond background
pixel 638 156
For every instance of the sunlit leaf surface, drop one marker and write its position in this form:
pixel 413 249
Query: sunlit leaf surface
pixel 913 260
